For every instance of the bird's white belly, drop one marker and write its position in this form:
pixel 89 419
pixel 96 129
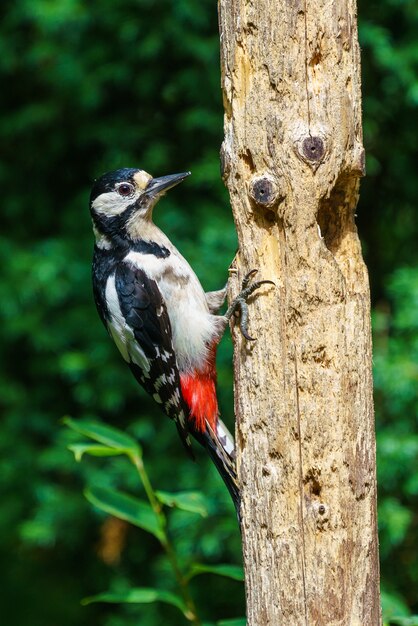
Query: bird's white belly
pixel 191 323
pixel 193 327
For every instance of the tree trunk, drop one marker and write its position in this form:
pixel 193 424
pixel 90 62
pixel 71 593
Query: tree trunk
pixel 292 158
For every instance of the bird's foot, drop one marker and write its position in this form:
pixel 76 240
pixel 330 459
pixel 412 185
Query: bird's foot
pixel 239 304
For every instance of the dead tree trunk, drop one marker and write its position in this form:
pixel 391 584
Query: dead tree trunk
pixel 292 158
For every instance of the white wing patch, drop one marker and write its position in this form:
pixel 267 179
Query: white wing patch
pixel 173 401
pixel 122 334
pixel 161 380
pixel 225 438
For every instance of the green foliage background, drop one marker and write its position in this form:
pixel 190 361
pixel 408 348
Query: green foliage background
pixel 88 87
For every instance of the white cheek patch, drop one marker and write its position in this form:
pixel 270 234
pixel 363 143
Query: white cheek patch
pixel 111 203
pixel 142 179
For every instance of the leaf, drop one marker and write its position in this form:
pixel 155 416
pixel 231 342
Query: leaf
pixel 230 571
pixel 192 501
pixel 125 507
pixel 392 605
pixel 94 449
pixel 140 595
pixel 238 621
pixel 107 435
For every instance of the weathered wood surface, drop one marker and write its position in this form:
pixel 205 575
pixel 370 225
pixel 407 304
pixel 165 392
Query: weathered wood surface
pixel 292 158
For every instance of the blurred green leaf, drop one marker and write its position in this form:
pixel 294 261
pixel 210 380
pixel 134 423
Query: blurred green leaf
pixel 192 501
pixel 395 519
pixel 392 605
pixel 94 449
pixel 229 571
pixel 125 507
pixel 141 595
pixel 239 621
pixel 106 435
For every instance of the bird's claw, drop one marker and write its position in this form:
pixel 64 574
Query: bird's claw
pixel 247 278
pixel 240 302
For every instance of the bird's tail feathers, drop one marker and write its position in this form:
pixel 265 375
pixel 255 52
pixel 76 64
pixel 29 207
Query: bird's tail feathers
pixel 220 447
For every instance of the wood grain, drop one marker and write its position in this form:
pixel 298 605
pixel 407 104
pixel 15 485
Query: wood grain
pixel 292 158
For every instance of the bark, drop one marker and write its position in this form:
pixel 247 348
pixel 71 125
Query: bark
pixel 292 158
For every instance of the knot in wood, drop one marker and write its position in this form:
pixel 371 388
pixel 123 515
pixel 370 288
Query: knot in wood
pixel 264 191
pixel 313 148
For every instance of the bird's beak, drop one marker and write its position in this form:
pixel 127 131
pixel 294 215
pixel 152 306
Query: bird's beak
pixel 157 185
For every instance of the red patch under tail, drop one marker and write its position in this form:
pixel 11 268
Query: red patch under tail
pixel 199 392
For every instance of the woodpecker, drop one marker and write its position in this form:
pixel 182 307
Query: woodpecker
pixel 150 300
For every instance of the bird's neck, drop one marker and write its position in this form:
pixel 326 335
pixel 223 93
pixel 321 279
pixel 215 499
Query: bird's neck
pixel 140 229
pixel 139 233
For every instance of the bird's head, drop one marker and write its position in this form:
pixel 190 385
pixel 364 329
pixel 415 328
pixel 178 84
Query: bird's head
pixel 121 202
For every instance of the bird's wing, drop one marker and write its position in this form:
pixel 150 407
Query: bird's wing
pixel 148 342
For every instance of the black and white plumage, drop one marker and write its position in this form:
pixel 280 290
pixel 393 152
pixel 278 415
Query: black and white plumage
pixel 155 309
pixel 152 359
pixel 131 307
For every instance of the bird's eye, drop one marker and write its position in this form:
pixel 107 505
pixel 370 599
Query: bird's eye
pixel 125 189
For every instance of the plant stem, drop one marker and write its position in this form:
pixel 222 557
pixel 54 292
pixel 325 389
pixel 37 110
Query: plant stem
pixel 166 543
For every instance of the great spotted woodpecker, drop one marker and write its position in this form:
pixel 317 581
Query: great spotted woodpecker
pixel 155 309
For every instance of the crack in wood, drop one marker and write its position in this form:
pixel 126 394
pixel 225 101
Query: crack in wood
pixel 305 17
pixel 301 490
